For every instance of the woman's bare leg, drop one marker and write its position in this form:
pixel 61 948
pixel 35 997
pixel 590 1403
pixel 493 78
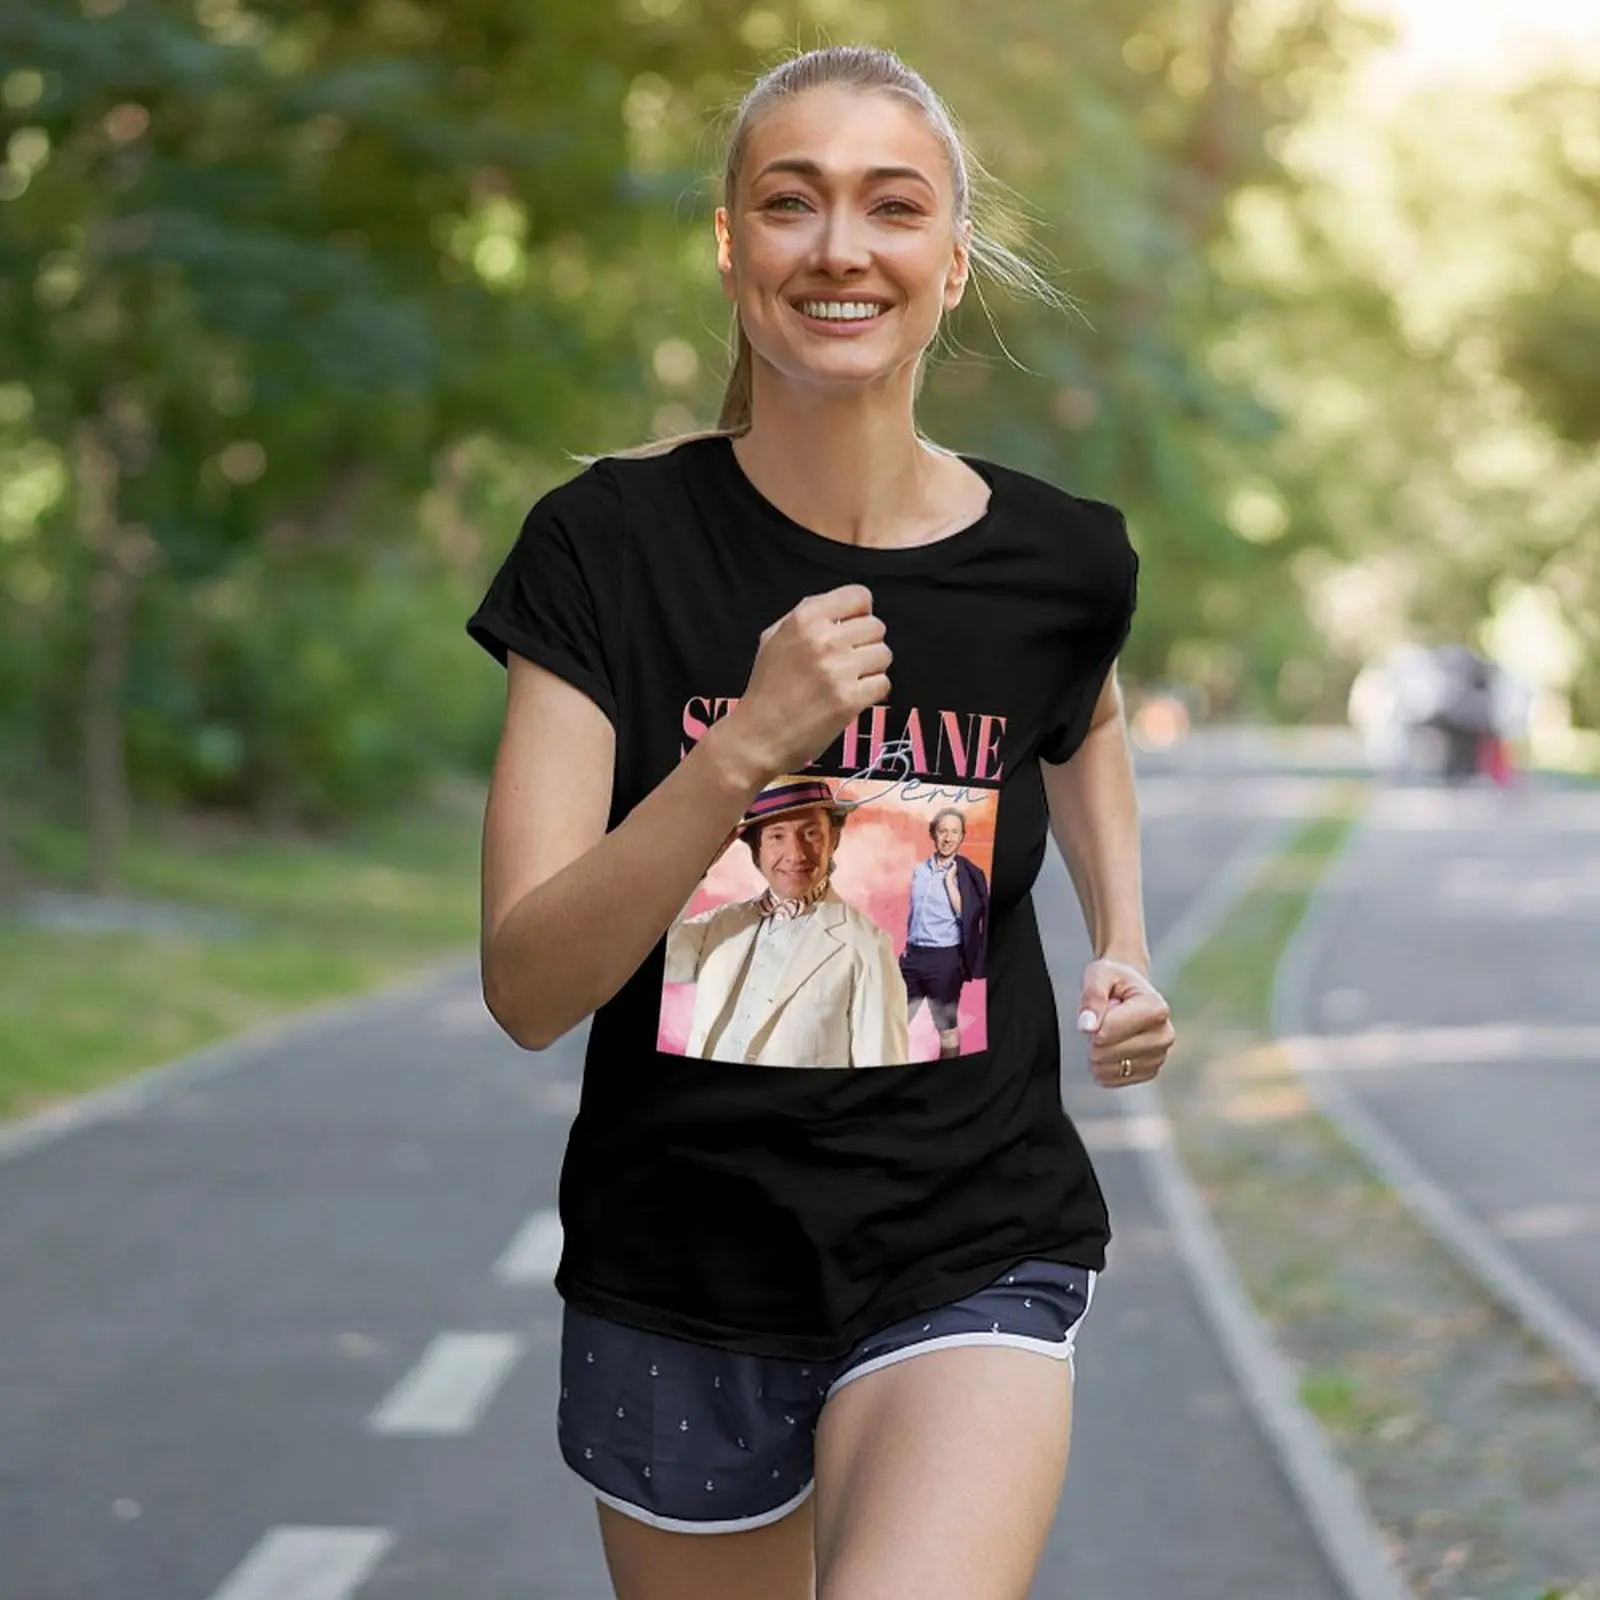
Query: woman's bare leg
pixel 938 1476
pixel 770 1563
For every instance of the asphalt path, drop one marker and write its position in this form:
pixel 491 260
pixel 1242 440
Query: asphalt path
pixel 285 1332
pixel 1452 993
pixel 1172 1491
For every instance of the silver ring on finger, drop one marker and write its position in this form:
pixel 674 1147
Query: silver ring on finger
pixel 1127 1067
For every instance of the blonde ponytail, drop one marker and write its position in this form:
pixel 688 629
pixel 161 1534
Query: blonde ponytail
pixel 737 397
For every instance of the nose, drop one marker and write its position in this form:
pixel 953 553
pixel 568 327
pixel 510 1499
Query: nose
pixel 842 243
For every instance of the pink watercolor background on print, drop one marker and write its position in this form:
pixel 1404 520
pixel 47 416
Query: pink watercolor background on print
pixel 882 843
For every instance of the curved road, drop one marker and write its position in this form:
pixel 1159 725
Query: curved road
pixel 1452 997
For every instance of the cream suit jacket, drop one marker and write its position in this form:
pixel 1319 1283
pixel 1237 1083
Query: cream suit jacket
pixel 840 1002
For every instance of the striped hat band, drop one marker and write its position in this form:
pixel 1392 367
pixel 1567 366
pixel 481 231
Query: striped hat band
pixel 786 795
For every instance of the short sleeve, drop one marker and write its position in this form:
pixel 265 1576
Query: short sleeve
pixel 556 599
pixel 1117 560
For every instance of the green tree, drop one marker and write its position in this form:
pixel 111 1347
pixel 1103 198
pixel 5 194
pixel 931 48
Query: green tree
pixel 268 272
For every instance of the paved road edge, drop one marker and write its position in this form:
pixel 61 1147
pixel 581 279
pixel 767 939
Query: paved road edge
pixel 128 1095
pixel 1540 1311
pixel 1351 1540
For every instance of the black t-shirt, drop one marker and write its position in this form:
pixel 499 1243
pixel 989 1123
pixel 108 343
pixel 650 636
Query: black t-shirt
pixel 775 1149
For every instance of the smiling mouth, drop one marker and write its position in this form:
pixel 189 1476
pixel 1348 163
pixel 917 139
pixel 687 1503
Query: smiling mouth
pixel 847 311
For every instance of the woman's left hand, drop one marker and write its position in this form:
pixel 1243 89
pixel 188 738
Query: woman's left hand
pixel 1128 1022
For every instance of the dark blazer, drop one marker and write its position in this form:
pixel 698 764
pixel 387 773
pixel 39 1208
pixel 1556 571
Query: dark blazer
pixel 974 889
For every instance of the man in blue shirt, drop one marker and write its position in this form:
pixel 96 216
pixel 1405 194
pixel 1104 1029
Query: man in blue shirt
pixel 947 930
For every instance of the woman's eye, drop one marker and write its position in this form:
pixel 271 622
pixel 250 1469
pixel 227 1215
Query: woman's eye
pixel 784 202
pixel 899 208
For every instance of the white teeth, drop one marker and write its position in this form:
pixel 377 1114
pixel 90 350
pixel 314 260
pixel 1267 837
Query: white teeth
pixel 841 310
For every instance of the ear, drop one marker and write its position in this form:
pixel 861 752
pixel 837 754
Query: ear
pixel 725 251
pixel 955 283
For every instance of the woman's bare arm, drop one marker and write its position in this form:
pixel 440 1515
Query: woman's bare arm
pixel 1094 815
pixel 570 910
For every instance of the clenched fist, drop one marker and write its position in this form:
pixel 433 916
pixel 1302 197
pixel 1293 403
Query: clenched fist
pixel 817 667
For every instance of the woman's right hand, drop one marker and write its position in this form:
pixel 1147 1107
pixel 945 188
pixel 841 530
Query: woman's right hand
pixel 816 669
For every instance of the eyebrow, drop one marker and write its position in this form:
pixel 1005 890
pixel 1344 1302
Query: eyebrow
pixel 809 169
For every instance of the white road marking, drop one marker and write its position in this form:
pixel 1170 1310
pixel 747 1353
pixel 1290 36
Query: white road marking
pixel 1517 1046
pixel 450 1387
pixel 533 1255
pixel 1126 1132
pixel 557 1098
pixel 1547 1222
pixel 307 1564
pixel 463 1014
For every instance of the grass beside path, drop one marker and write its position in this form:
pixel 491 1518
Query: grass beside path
pixel 1478 1452
pixel 317 919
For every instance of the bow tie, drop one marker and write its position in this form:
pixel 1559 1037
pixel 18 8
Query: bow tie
pixel 770 906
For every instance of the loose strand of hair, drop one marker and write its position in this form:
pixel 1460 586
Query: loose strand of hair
pixel 869 69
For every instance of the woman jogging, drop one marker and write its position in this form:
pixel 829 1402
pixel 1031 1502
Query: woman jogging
pixel 824 1257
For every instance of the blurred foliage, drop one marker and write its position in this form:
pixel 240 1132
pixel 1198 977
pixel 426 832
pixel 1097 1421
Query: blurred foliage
pixel 1430 328
pixel 303 304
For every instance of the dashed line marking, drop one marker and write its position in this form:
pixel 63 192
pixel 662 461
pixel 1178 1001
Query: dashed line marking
pixel 294 1563
pixel 533 1255
pixel 450 1387
pixel 463 1014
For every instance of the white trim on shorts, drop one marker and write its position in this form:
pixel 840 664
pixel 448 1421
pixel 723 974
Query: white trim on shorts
pixel 1056 1350
pixel 678 1525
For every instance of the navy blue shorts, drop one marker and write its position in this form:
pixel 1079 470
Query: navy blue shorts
pixel 935 973
pixel 695 1439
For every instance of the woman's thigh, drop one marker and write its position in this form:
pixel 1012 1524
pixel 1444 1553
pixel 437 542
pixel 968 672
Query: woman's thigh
pixel 939 1476
pixel 769 1563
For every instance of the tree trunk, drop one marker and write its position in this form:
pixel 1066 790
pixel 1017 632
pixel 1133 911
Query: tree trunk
pixel 326 523
pixel 118 554
pixel 10 883
pixel 334 514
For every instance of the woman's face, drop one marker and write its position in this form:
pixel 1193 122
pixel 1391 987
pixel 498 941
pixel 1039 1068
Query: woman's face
pixel 842 251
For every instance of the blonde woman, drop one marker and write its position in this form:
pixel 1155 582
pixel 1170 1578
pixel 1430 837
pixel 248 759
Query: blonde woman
pixel 819 1324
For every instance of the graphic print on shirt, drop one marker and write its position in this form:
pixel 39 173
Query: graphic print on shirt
pixel 845 922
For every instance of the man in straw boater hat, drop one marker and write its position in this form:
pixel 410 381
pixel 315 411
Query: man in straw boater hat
pixel 795 977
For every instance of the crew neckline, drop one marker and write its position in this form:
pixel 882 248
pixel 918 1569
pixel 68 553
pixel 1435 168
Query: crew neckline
pixel 854 557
